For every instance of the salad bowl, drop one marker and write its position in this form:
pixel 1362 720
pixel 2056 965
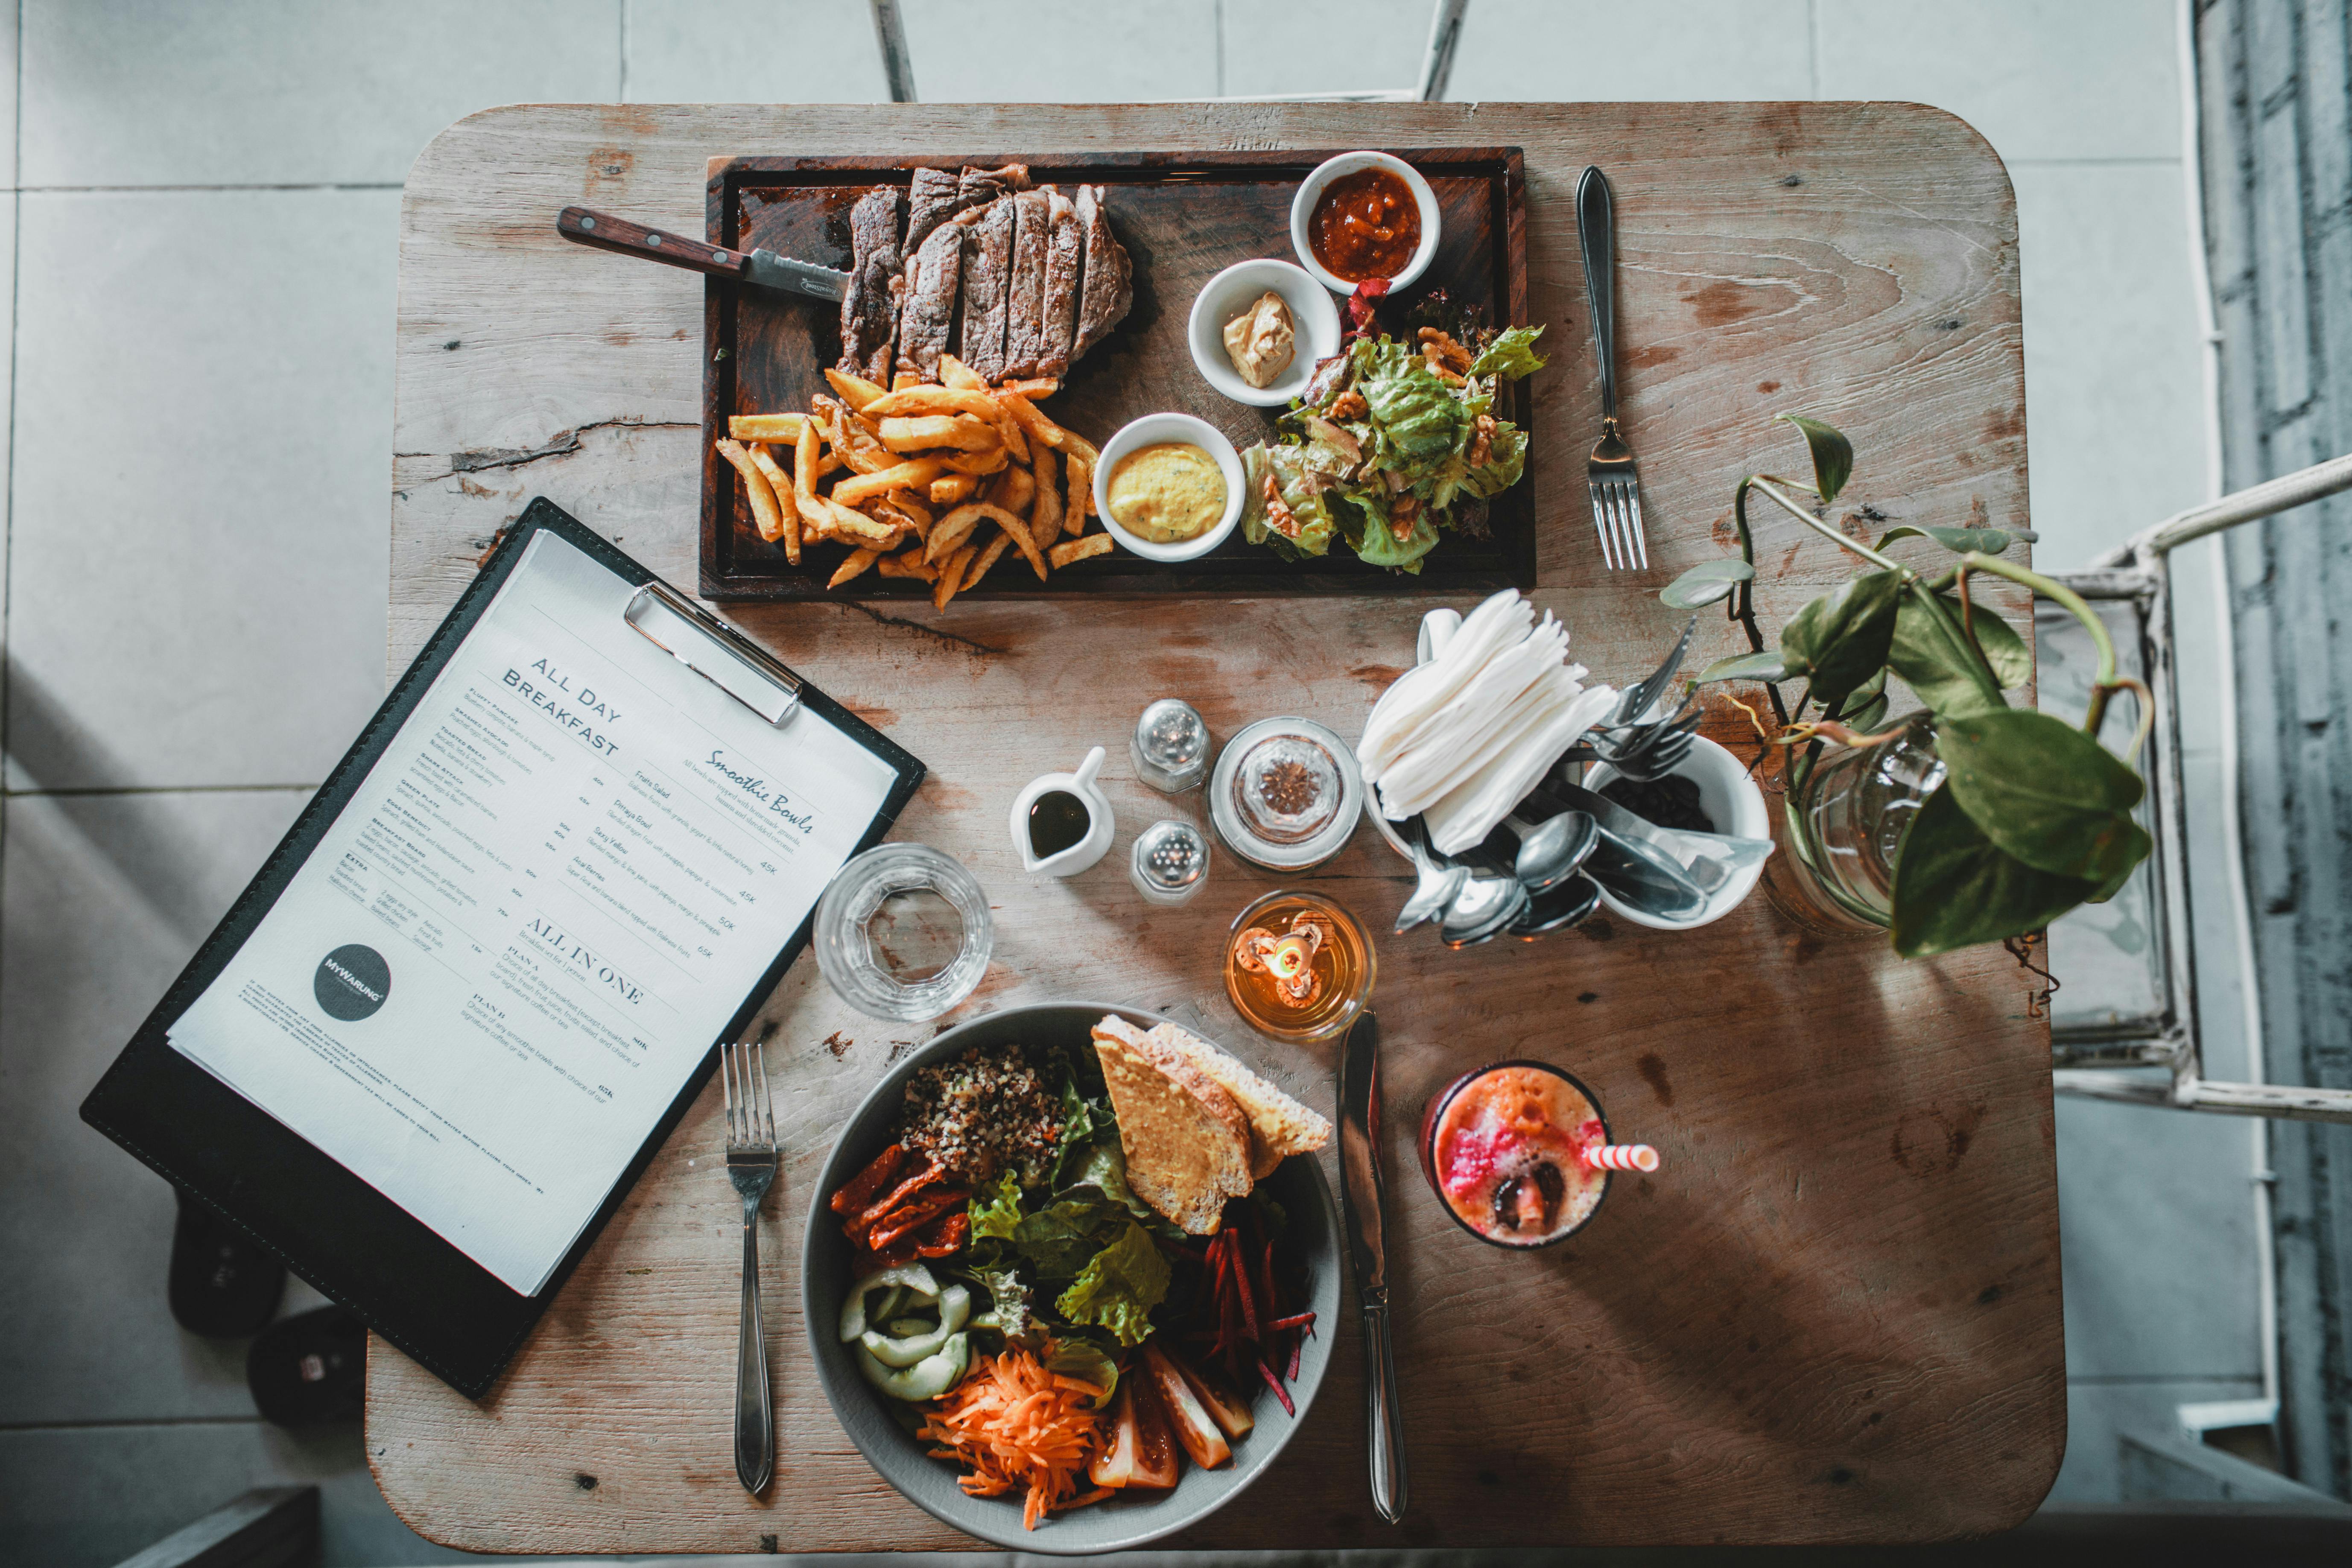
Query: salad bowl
pixel 1117 1524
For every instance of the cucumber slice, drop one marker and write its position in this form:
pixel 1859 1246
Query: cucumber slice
pixel 907 1280
pixel 908 1328
pixel 926 1379
pixel 955 1305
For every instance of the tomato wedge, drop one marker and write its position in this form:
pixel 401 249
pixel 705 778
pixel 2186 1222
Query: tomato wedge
pixel 1138 1450
pixel 1195 1428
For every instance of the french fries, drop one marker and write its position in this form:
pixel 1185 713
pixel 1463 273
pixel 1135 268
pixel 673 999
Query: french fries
pixel 768 517
pixel 938 483
pixel 765 426
pixel 922 433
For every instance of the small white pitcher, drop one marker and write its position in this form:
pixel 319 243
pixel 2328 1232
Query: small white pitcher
pixel 1099 827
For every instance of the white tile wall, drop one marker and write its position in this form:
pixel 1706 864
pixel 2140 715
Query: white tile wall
pixel 276 93
pixel 203 388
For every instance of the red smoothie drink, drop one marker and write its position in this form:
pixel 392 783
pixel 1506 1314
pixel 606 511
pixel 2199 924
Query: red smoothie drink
pixel 1508 1149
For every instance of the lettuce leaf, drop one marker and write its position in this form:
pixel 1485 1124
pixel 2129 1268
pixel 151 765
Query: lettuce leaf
pixel 1418 422
pixel 1381 547
pixel 1058 1238
pixel 1507 459
pixel 1511 355
pixel 997 1215
pixel 1104 1170
pixel 1086 1361
pixel 1009 1301
pixel 1119 1287
pixel 1301 490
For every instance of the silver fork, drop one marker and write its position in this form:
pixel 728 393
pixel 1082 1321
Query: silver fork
pixel 751 1166
pixel 1609 474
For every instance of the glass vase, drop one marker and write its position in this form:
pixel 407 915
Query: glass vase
pixel 1843 825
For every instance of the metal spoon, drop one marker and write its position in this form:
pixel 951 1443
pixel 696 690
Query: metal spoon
pixel 1480 912
pixel 1563 906
pixel 1439 881
pixel 1645 877
pixel 1551 850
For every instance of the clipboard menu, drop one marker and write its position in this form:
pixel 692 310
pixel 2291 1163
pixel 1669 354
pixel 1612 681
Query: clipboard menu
pixel 484 976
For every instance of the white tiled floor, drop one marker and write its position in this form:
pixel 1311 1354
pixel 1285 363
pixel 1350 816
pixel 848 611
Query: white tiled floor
pixel 203 380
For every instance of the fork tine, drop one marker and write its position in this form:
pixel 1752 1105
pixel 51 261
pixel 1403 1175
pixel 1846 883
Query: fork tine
pixel 727 1087
pixel 1641 539
pixel 767 1098
pixel 1618 521
pixel 1600 522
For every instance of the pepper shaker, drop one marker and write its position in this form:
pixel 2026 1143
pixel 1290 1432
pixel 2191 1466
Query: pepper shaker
pixel 1170 746
pixel 1170 862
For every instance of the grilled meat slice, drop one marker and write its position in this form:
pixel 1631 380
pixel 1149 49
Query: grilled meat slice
pixel 927 316
pixel 869 310
pixel 1109 282
pixel 976 187
pixel 987 271
pixel 1064 256
pixel 1024 320
pixel 930 202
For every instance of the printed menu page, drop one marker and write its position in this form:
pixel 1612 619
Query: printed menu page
pixel 553 891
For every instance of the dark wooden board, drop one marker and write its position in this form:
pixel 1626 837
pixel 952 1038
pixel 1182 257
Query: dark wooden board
pixel 1184 218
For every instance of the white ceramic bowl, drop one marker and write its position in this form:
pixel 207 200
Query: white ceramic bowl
pixel 1728 795
pixel 1311 191
pixel 1315 321
pixel 1145 432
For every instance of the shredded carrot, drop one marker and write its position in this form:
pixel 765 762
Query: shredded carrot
pixel 1013 1423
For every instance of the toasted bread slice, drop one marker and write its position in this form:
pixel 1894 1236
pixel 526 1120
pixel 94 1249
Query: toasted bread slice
pixel 1187 1142
pixel 1280 1126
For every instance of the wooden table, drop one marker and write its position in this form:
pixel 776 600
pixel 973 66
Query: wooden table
pixel 1833 1315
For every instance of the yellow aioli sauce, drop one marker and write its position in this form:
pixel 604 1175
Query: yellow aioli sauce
pixel 1167 492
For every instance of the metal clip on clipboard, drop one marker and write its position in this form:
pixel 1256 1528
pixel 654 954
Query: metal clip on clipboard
pixel 730 661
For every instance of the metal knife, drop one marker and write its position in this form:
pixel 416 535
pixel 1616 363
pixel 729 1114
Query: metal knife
pixel 1360 1192
pixel 763 269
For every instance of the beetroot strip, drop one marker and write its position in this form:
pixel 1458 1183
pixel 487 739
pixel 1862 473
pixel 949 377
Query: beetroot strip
pixel 1274 1383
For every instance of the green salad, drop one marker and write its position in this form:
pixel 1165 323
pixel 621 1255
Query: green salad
pixel 1394 443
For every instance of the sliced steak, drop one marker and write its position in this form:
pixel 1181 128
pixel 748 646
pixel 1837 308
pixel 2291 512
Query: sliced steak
pixel 987 271
pixel 930 202
pixel 1109 284
pixel 1024 317
pixel 869 310
pixel 927 317
pixel 1064 256
pixel 976 188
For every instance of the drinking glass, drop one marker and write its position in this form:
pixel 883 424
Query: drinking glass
pixel 903 933
pixel 1580 1188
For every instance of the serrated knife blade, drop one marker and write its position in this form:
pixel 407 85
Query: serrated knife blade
pixel 763 269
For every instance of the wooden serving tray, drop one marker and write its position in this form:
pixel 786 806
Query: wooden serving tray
pixel 1184 218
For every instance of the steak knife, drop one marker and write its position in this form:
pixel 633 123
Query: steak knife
pixel 763 269
pixel 1361 1194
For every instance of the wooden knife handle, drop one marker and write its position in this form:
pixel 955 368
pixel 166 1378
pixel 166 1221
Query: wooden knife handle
pixel 606 232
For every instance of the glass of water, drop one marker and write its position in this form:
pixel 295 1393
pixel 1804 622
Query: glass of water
pixel 903 933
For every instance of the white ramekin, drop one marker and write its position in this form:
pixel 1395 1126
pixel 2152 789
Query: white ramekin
pixel 1147 431
pixel 1311 191
pixel 1314 318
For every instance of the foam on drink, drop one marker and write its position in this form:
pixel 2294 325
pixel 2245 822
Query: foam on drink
pixel 1504 1149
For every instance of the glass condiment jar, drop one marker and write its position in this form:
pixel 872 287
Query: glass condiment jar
pixel 1170 746
pixel 1298 966
pixel 1286 794
pixel 1170 862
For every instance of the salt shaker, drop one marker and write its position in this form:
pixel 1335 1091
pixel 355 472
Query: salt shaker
pixel 1170 746
pixel 1171 861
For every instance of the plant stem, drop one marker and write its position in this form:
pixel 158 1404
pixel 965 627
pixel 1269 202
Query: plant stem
pixel 2103 683
pixel 1743 602
pixel 1771 486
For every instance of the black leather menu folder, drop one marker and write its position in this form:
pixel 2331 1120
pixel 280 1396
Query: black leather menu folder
pixel 330 1228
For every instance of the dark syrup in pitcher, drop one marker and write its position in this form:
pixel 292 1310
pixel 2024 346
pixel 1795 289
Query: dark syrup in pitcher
pixel 1058 820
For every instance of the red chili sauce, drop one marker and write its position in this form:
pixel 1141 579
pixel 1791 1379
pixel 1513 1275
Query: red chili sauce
pixel 1365 224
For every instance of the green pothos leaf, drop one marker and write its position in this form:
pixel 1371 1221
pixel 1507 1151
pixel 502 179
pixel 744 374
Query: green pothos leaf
pixel 1840 639
pixel 1765 666
pixel 1832 455
pixel 1933 658
pixel 1959 541
pixel 1954 888
pixel 1705 583
pixel 2045 792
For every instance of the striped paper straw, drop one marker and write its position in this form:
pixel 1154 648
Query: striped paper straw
pixel 1623 1157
